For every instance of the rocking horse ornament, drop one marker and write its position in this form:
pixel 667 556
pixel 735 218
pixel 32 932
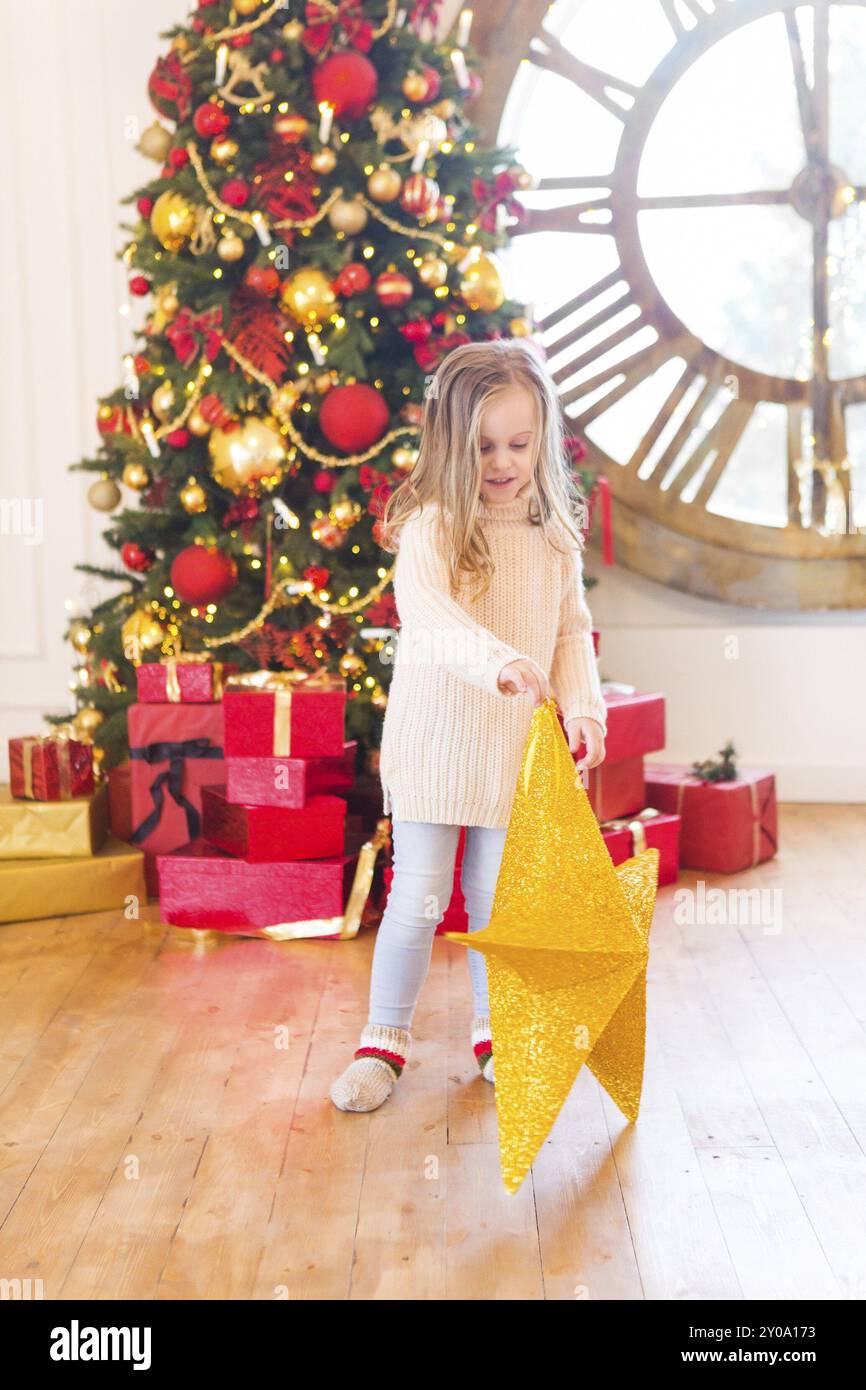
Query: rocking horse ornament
pixel 242 71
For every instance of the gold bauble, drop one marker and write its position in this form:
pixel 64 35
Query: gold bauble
pixel 250 455
pixel 519 328
pixel 308 296
pixel 348 215
pixel 197 424
pixel 291 127
pixel 103 495
pixel 324 161
pixel 404 458
pixel 481 284
pixel 292 30
pixel 155 142
pixel 345 513
pixel 246 7
pixel 379 698
pixel 414 86
pixel 86 722
pixel 193 498
pixel 384 184
pixel 162 401
pixel 284 399
pixel 172 220
pixel 351 664
pixel 230 246
pixel 80 636
pixel 141 633
pixel 136 476
pixel 224 149
pixel 444 108
pixel 433 272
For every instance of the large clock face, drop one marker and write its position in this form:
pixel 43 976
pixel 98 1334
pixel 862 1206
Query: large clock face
pixel 695 250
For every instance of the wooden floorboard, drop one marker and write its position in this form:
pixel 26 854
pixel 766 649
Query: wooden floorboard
pixel 166 1132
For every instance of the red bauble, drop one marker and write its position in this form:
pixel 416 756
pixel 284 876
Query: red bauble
pixel 136 557
pixel 203 574
pixel 434 82
pixel 417 330
pixel 178 439
pixel 262 279
pixel 393 289
pixel 145 206
pixel 235 192
pixel 113 420
pixel 347 81
pixel 139 285
pixel 324 481
pixel 178 157
pixel 353 417
pixel 276 55
pixel 211 119
pixel 419 194
pixel 354 278
pixel 317 575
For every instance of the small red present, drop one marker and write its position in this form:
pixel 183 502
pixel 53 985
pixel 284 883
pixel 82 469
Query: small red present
pixel 203 887
pixel 617 788
pixel 286 781
pixel 174 751
pixel 650 829
pixel 635 725
pixel 726 826
pixel 262 833
pixel 268 714
pixel 50 768
pixel 178 680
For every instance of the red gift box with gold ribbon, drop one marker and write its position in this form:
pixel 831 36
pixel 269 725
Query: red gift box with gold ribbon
pixel 726 826
pixel 272 714
pixel 50 768
pixel 182 680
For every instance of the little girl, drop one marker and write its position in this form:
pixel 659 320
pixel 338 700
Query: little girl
pixel 490 504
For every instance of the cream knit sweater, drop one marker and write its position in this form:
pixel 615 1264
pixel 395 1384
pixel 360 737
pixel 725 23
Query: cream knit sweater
pixel 452 742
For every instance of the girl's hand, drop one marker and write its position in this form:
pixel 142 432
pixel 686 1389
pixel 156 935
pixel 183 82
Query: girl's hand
pixel 590 732
pixel 524 674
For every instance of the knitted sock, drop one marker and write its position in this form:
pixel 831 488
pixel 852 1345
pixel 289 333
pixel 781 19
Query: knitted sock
pixel 379 1060
pixel 482 1045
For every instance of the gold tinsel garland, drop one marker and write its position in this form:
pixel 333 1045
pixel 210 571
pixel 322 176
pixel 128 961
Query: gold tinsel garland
pixel 277 593
pixel 252 24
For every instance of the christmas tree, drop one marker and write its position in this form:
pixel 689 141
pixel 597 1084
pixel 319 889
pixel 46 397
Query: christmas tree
pixel 321 231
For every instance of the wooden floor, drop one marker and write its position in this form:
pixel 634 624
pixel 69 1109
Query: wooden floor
pixel 165 1129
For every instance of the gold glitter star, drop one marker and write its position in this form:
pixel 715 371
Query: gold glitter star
pixel 567 947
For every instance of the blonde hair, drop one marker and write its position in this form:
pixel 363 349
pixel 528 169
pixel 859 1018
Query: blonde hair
pixel 448 471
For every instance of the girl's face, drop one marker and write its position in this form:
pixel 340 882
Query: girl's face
pixel 508 440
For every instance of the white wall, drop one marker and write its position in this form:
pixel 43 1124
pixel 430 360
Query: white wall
pixel 791 699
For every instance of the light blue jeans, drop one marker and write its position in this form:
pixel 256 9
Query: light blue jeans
pixel 423 862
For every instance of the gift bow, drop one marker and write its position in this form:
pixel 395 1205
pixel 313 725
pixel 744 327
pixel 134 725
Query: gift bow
pixel 175 755
pixel 183 333
pixel 322 24
pixel 286 680
pixel 490 195
pixel 635 825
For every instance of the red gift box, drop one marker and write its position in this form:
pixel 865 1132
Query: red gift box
pixel 617 788
pixel 201 886
pixel 50 768
pixel 288 781
pixel 174 750
pixel 262 833
pixel 120 801
pixel 635 725
pixel 180 680
pixel 648 830
pixel 269 715
pixel 726 826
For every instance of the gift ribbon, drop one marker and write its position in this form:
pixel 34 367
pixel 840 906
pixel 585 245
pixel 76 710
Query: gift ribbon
pixel 64 762
pixel 175 755
pixel 758 812
pixel 636 825
pixel 172 681
pixel 281 685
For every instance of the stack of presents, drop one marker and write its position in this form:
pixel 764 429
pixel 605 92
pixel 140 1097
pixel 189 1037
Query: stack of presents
pixel 240 807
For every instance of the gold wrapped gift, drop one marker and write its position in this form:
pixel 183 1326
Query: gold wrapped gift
pixel 53 829
pixel 31 888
